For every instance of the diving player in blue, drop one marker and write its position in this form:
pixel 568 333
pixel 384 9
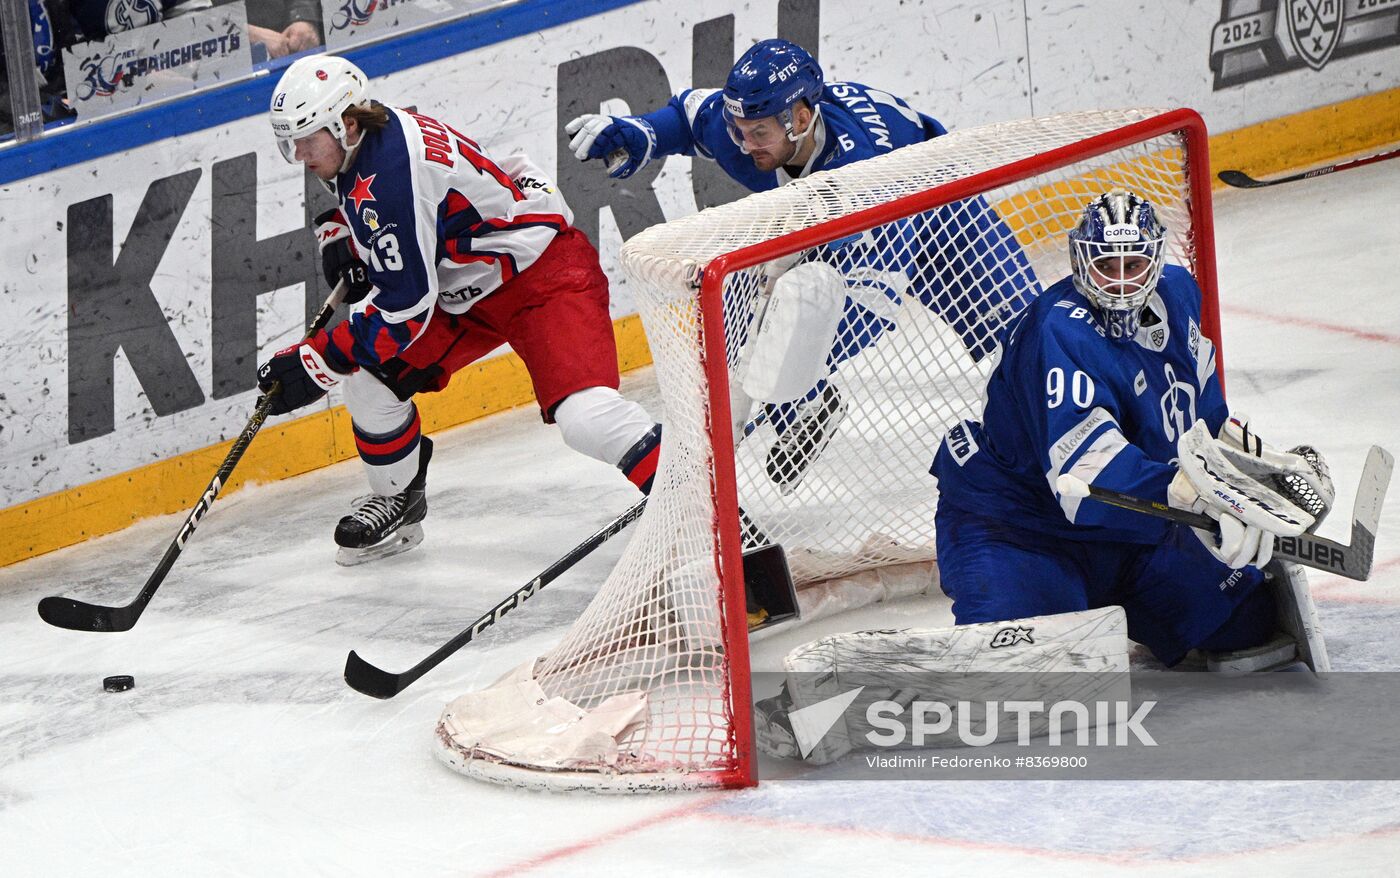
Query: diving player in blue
pixel 777 120
pixel 1108 378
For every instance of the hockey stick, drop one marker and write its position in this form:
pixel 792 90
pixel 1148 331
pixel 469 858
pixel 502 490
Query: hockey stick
pixel 1352 560
pixel 80 616
pixel 1241 180
pixel 376 682
pixel 364 677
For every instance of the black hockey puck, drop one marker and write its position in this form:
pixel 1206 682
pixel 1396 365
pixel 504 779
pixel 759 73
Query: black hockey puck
pixel 118 683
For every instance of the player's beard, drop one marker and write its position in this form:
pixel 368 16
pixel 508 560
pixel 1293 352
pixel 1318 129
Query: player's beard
pixel 771 159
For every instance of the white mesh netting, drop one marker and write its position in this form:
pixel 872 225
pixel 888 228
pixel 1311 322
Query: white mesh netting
pixel 840 480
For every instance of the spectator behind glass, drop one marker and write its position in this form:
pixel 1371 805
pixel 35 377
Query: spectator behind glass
pixel 97 19
pixel 284 27
pixel 53 31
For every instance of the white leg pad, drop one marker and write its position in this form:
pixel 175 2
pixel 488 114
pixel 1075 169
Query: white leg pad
pixel 1021 659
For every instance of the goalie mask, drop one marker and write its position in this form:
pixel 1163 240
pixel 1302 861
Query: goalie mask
pixel 768 81
pixel 312 95
pixel 1117 252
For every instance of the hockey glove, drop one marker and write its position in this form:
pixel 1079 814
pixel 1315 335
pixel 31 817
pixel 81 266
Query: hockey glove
pixel 338 258
pixel 1249 513
pixel 1299 474
pixel 626 143
pixel 302 375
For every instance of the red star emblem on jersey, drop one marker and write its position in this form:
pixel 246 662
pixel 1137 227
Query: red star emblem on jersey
pixel 360 194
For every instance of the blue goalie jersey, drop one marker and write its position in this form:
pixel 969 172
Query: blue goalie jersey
pixel 1066 399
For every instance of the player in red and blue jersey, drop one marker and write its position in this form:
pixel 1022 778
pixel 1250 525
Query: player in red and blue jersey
pixel 447 253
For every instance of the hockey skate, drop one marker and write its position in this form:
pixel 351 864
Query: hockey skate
pixel 798 448
pixel 386 525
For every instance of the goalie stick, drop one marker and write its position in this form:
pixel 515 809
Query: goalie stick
pixel 1241 180
pixel 1352 560
pixel 77 615
pixel 375 682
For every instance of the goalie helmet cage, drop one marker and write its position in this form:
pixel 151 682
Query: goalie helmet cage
pixel 650 688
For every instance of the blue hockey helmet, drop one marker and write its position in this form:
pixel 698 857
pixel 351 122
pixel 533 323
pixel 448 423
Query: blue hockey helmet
pixel 768 80
pixel 1117 253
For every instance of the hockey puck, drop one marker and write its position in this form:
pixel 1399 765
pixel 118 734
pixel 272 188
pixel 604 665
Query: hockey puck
pixel 118 683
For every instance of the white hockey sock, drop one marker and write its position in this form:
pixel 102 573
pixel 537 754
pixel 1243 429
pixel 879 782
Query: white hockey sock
pixel 600 423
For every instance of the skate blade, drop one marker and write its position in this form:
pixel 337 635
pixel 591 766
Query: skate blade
pixel 397 543
pixel 833 423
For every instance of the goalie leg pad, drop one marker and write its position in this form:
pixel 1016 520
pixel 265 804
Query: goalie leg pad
pixel 982 662
pixel 1298 614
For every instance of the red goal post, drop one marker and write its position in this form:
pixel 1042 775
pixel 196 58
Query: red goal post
pixel 650 688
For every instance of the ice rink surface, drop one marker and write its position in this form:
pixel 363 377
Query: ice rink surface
pixel 242 752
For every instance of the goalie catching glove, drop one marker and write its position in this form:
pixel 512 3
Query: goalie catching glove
pixel 1212 481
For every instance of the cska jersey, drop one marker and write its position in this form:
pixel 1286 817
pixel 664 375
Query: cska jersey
pixel 438 222
pixel 961 261
pixel 1066 399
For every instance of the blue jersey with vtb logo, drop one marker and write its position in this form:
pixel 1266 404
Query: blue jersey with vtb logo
pixel 1066 399
pixel 960 261
pixel 854 122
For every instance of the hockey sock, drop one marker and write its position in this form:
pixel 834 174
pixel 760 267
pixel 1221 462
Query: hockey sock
pixel 639 463
pixel 391 459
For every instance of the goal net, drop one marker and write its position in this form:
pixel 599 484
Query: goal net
pixel 938 246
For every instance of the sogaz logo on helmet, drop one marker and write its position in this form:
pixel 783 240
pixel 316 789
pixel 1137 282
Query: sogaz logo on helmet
pixel 735 107
pixel 1120 233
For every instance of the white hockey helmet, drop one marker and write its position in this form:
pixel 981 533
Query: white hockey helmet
pixel 311 95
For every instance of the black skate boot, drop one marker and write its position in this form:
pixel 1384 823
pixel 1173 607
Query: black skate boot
pixel 798 448
pixel 384 525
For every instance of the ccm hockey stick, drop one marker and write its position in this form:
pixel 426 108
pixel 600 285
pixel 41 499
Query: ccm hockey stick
pixel 364 677
pixel 376 682
pixel 1352 560
pixel 79 616
pixel 1241 180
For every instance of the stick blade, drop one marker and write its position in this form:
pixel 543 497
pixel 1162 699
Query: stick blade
pixel 79 616
pixel 1240 180
pixel 366 679
pixel 1366 511
pixel 1375 480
